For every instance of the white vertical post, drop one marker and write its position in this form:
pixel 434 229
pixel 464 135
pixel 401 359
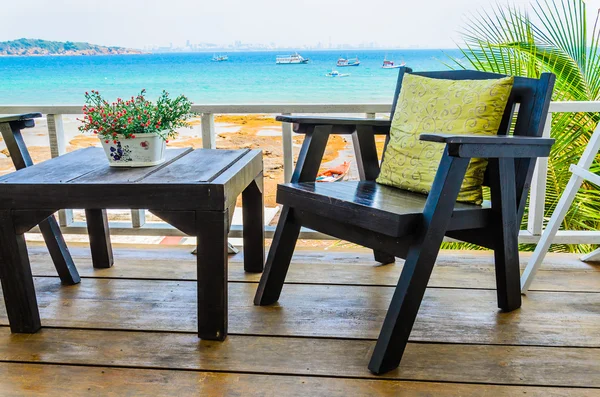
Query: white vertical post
pixel 58 147
pixel 288 150
pixel 138 218
pixel 209 139
pixel 56 135
pixel 537 198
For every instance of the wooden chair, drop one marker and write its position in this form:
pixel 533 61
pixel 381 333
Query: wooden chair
pixel 97 223
pixel 397 223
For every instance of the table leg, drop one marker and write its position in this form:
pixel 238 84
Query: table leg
pixel 254 231
pixel 97 225
pixel 17 280
pixel 61 257
pixel 211 234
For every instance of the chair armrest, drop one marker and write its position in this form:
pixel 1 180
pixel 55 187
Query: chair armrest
pixel 492 146
pixel 342 125
pixel 19 117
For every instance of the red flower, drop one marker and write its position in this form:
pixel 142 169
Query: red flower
pixel 133 136
pixel 106 141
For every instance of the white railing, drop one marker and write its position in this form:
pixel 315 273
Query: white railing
pixel 138 225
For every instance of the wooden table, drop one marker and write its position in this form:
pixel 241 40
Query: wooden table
pixel 194 190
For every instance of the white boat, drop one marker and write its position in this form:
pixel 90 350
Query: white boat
pixel 335 73
pixel 391 65
pixel 220 58
pixel 342 62
pixel 294 59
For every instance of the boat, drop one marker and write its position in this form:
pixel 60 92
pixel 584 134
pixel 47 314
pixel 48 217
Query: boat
pixel 391 65
pixel 342 62
pixel 334 174
pixel 220 58
pixel 335 73
pixel 294 59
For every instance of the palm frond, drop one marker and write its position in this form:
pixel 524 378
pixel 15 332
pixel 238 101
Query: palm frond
pixel 554 38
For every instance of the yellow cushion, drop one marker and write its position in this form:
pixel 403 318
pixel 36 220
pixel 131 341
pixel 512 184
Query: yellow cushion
pixel 429 105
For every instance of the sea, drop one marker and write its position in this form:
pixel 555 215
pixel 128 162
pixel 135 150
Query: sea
pixel 247 78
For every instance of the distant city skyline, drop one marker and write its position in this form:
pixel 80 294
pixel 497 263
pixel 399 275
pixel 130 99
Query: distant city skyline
pixel 239 45
pixel 152 24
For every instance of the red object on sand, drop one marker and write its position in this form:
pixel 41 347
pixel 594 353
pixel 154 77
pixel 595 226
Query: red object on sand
pixel 334 174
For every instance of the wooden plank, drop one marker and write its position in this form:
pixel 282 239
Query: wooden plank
pixel 446 315
pixel 239 175
pixel 517 365
pixel 108 174
pixel 60 169
pixel 57 380
pixel 454 269
pixel 201 165
pixel 372 206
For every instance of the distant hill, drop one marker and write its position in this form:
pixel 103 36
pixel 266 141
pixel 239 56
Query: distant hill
pixel 33 47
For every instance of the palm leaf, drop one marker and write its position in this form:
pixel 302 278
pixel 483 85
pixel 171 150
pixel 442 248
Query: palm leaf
pixel 508 40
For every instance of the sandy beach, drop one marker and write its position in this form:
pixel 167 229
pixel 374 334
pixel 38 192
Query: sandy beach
pixel 258 131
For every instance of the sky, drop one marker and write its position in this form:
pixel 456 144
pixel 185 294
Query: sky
pixel 144 23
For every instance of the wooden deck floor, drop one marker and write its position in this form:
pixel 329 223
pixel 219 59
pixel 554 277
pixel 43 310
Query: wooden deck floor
pixel 129 330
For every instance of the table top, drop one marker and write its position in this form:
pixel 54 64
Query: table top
pixel 83 176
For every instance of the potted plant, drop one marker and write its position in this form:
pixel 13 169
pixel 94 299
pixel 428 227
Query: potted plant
pixel 134 132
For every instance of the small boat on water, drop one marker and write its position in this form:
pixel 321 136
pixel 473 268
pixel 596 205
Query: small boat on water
pixel 294 59
pixel 220 58
pixel 334 174
pixel 343 62
pixel 335 73
pixel 391 65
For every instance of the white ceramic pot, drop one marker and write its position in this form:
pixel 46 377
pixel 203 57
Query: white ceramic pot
pixel 142 151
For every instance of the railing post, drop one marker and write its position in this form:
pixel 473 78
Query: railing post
pixel 138 218
pixel 209 139
pixel 288 150
pixel 58 147
pixel 537 198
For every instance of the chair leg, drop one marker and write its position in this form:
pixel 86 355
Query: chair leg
pixel 17 280
pixel 403 308
pixel 506 234
pixel 61 257
pixel 418 266
pixel 383 257
pixel 97 225
pixel 279 258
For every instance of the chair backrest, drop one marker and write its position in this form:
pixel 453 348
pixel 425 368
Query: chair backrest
pixel 533 98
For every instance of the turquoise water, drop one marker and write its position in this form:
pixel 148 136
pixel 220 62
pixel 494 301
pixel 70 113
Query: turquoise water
pixel 250 77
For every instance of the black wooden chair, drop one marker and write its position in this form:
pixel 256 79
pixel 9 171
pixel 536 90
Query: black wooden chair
pixel 397 223
pixel 97 223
